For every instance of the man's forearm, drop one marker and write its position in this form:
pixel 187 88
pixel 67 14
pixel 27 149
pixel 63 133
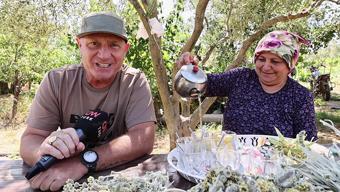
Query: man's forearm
pixel 29 147
pixel 136 143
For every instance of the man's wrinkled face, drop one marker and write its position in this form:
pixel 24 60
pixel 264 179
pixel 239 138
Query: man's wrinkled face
pixel 102 57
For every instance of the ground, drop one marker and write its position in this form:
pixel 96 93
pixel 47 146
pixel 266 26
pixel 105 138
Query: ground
pixel 326 135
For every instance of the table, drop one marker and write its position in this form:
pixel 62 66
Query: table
pixel 12 172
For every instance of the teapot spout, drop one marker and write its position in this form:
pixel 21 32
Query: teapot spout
pixel 194 92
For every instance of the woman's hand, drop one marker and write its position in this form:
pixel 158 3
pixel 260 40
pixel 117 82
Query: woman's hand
pixel 186 58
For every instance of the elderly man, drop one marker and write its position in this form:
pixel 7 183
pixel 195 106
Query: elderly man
pixel 102 82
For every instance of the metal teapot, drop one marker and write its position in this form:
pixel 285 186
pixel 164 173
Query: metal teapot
pixel 190 81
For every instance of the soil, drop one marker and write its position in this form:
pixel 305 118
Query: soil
pixel 326 135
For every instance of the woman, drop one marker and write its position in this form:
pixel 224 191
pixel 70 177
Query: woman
pixel 260 100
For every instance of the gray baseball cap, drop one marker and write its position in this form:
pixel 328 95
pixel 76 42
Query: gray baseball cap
pixel 102 23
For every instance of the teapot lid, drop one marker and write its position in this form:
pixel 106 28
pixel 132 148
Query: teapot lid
pixel 195 77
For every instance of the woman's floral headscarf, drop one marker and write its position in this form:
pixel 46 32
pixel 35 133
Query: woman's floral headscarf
pixel 282 43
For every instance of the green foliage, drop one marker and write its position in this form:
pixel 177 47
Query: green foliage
pixel 303 74
pixel 319 102
pixel 237 20
pixel 139 52
pixel 334 116
pixel 23 31
pixel 33 38
pixel 176 33
pixel 6 104
pixel 329 57
pixel 324 25
pixel 101 5
pixel 23 107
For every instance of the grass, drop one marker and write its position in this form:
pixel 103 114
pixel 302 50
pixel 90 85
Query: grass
pixel 333 116
pixel 10 134
pixel 10 142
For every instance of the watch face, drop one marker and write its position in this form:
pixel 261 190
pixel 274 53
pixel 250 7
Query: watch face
pixel 90 156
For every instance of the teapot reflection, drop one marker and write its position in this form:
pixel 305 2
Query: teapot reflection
pixel 190 81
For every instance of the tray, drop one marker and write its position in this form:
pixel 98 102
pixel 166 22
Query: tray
pixel 245 140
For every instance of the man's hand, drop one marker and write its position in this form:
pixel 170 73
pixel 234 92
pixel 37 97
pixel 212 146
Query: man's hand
pixel 61 144
pixel 57 175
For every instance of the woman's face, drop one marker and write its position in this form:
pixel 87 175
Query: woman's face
pixel 271 69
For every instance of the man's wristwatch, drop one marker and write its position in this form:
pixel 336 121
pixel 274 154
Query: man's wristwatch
pixel 89 158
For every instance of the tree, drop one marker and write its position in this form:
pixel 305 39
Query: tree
pixel 21 30
pixel 27 37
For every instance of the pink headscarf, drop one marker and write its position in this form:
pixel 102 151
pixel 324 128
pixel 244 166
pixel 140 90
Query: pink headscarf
pixel 282 43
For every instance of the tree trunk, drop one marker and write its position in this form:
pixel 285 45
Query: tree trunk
pixel 170 105
pixel 29 85
pixel 17 89
pixel 4 88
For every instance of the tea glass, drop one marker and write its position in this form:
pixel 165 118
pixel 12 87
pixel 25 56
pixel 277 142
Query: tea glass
pixel 229 139
pixel 253 162
pixel 228 157
pixel 196 156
